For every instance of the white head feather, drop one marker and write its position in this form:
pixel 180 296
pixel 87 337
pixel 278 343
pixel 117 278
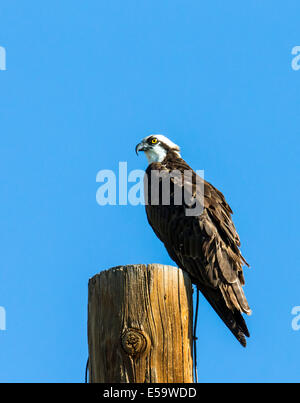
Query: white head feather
pixel 157 153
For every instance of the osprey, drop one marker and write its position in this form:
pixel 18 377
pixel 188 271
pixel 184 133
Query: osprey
pixel 205 245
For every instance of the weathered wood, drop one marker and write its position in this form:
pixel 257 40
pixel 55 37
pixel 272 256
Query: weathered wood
pixel 140 320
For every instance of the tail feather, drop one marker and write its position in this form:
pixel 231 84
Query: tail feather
pixel 232 319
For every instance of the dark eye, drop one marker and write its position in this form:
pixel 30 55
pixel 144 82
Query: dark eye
pixel 154 141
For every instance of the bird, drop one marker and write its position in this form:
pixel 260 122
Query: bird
pixel 205 244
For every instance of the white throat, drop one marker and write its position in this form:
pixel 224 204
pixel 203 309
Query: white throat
pixel 157 154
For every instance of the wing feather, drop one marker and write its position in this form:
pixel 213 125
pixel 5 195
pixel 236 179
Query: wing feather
pixel 206 246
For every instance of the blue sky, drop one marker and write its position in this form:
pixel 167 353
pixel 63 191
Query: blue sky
pixel 85 81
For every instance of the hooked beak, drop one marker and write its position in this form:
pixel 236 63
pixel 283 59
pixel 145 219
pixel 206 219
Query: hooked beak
pixel 141 147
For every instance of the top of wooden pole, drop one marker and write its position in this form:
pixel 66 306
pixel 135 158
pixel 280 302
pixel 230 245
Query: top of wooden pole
pixel 140 325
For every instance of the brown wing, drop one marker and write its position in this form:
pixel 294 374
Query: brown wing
pixel 207 247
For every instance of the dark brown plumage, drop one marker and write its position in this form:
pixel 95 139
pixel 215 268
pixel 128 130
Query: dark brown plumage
pixel 206 245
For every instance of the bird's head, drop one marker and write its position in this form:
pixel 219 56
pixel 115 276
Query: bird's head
pixel 156 147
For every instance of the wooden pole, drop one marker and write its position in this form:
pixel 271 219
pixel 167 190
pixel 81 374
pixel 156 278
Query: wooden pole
pixel 140 320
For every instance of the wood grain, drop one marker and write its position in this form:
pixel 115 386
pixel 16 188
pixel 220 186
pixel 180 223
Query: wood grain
pixel 140 320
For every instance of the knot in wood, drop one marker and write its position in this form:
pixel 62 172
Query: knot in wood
pixel 134 342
